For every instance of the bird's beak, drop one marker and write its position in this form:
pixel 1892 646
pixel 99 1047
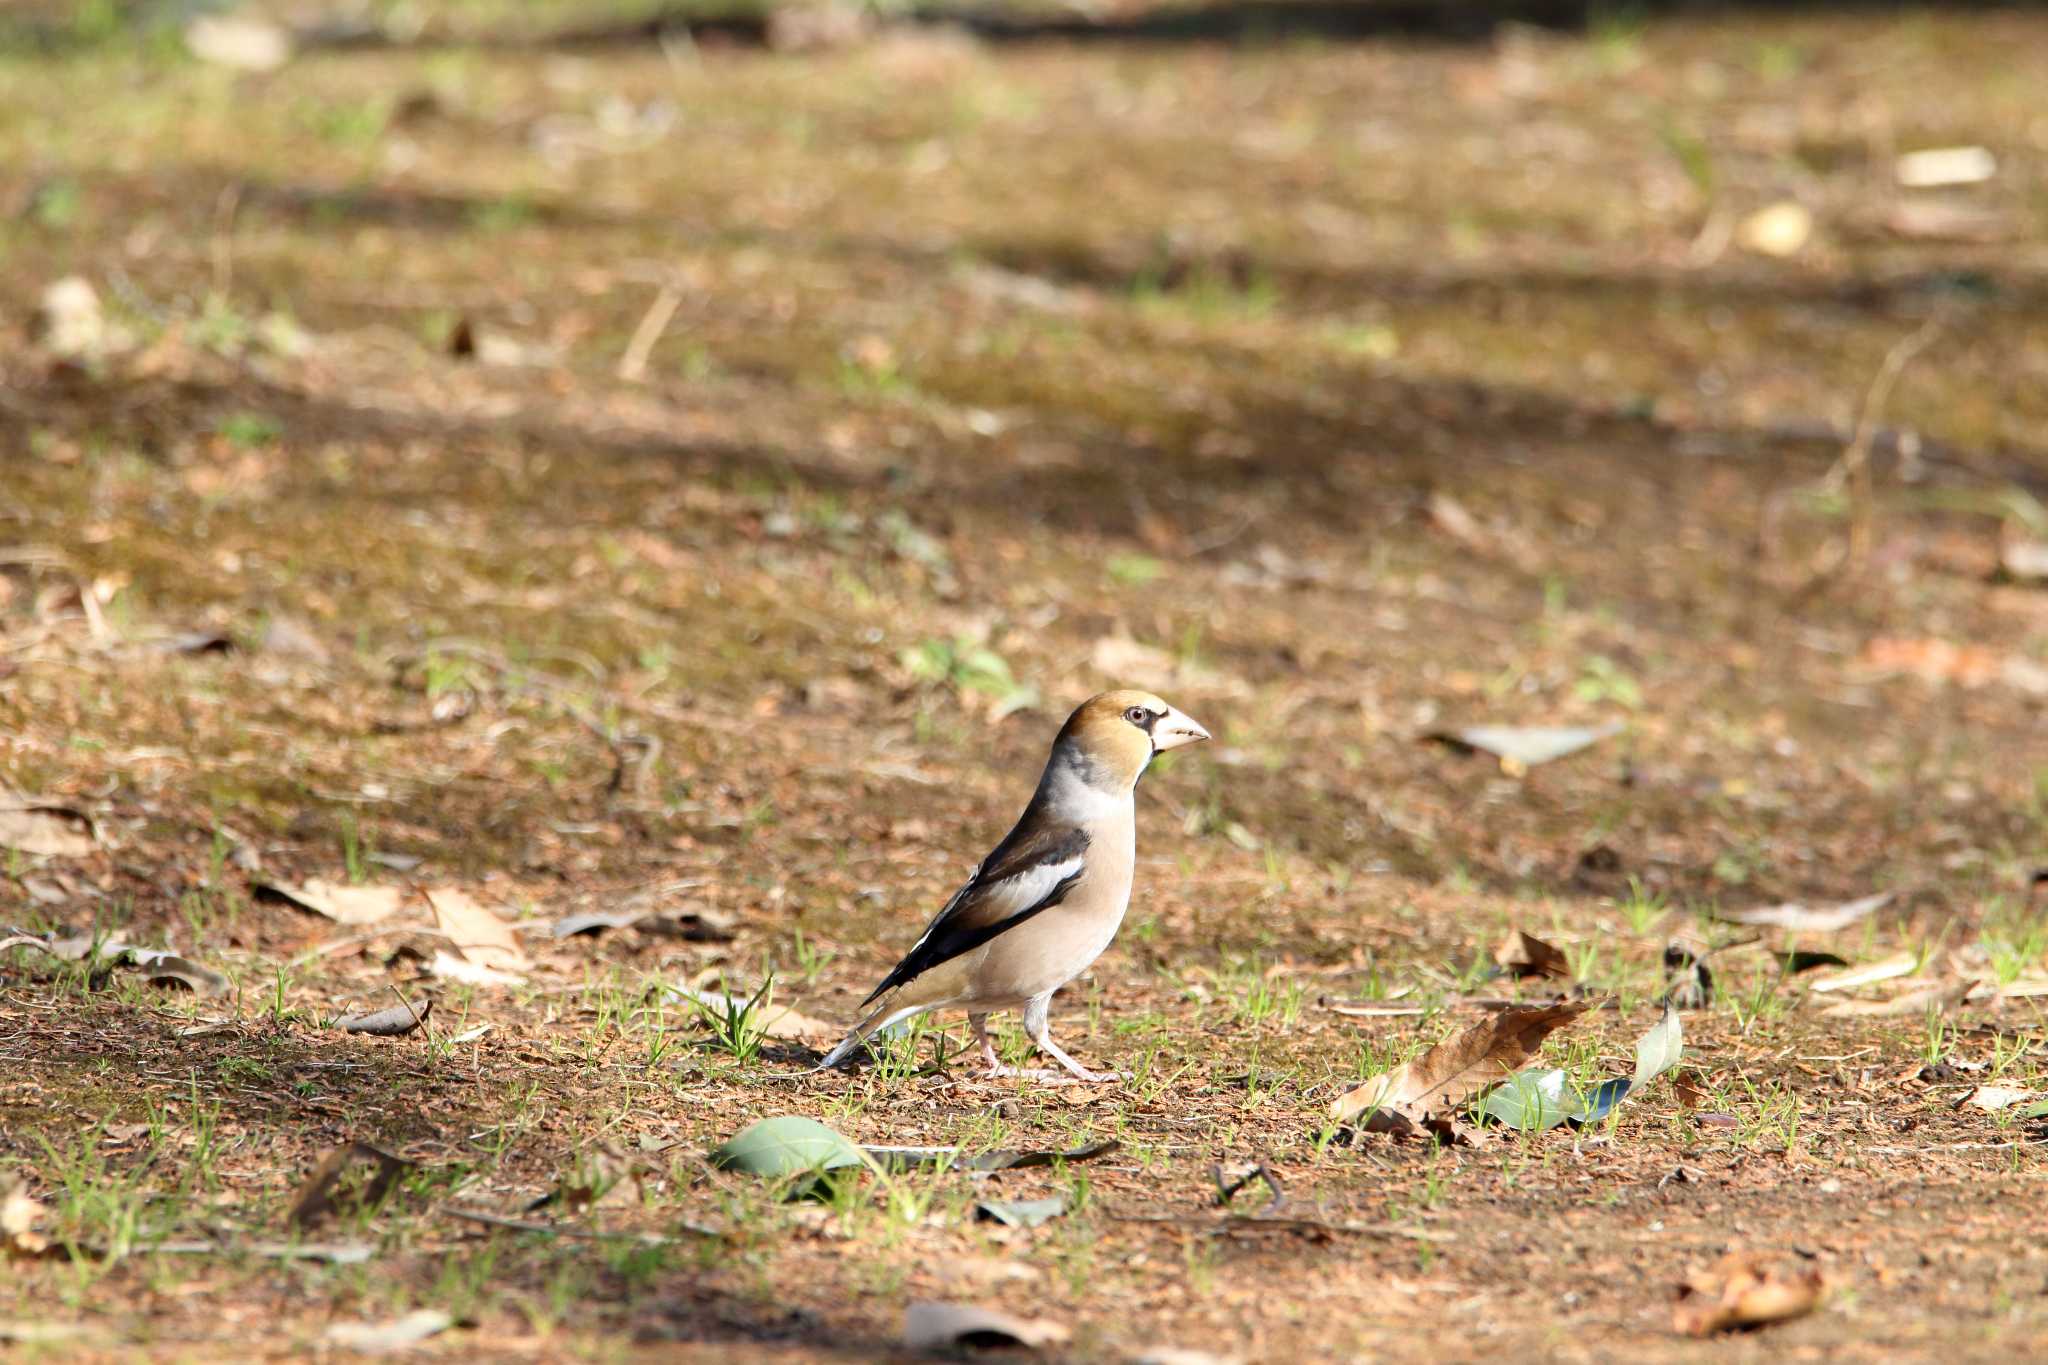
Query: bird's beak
pixel 1173 729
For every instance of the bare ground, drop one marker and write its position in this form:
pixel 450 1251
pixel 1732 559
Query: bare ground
pixel 1351 390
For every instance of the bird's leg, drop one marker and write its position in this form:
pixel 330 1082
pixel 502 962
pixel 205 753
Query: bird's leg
pixel 996 1066
pixel 984 1042
pixel 1038 1027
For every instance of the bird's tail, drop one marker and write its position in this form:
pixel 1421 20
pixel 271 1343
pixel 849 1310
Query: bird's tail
pixel 892 1009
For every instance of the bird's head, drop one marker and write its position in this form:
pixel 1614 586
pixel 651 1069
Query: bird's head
pixel 1116 734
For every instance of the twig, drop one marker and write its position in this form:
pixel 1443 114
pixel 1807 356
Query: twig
pixel 633 364
pixel 419 1020
pixel 495 1220
pixel 1853 468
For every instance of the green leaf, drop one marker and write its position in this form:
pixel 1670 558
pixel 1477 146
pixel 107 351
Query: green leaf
pixel 786 1146
pixel 1658 1050
pixel 1531 1101
pixel 1021 1213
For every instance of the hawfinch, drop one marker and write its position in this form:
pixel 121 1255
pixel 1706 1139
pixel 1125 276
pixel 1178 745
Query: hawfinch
pixel 1048 900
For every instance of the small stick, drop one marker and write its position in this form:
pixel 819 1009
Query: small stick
pixel 633 364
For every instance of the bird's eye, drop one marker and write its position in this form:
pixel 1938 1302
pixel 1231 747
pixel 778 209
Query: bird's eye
pixel 1136 715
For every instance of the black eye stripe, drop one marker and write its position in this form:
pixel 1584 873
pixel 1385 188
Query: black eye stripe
pixel 1143 718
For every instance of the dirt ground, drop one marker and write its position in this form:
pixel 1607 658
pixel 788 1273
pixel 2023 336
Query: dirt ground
pixel 544 459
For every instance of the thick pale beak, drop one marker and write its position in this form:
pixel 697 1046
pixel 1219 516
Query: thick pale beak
pixel 1173 729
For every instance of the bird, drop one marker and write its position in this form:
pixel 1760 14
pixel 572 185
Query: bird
pixel 1048 899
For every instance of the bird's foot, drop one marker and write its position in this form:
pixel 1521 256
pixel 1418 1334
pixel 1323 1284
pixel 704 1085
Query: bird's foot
pixel 1002 1071
pixel 1082 1073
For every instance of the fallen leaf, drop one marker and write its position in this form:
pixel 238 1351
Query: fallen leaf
pixel 1994 1097
pixel 943 1326
pixel 356 1176
pixel 1458 1067
pixel 1537 1100
pixel 1913 1002
pixel 394 1022
pixel 774 1021
pixel 1779 230
pixel 378 1338
pixel 597 921
pixel 45 831
pixel 1741 1290
pixel 1120 657
pixel 476 931
pixel 1932 220
pixel 19 1214
pixel 450 967
pixel 338 901
pixel 1803 960
pixel 161 968
pixel 1522 954
pixel 1004 1159
pixel 240 42
pixel 1689 982
pixel 1525 746
pixel 1021 1213
pixel 786 1146
pixel 1455 520
pixel 1821 920
pixel 604 1178
pixel 1938 167
pixel 1531 1101
pixel 1898 964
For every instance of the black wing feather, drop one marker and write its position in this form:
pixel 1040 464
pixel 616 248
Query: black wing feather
pixel 958 928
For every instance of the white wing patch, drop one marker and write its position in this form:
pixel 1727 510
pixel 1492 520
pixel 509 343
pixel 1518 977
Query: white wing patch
pixel 1016 893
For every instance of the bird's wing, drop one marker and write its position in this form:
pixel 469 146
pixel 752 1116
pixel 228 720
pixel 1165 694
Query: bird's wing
pixel 1031 870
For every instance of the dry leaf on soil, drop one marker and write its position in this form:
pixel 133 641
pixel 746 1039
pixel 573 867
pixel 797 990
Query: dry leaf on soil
pixel 450 967
pixel 1741 1290
pixel 775 1021
pixel 1821 919
pixel 1521 954
pixel 1994 1097
pixel 19 1214
pixel 377 1338
pixel 394 1022
pixel 476 931
pixel 332 1186
pixel 1898 964
pixel 943 1326
pixel 1913 1002
pixel 338 901
pixel 1456 1068
pixel 45 831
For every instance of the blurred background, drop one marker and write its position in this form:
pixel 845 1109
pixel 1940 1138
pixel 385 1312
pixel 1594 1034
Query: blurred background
pixel 1586 463
pixel 732 394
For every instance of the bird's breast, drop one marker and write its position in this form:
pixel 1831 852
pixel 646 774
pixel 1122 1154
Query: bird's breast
pixel 1057 945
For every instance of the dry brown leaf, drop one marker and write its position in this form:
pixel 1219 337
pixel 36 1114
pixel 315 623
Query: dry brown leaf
pixel 777 1021
pixel 383 1338
pixel 338 901
pixel 942 1326
pixel 1819 919
pixel 352 1177
pixel 476 931
pixel 1458 1067
pixel 19 1214
pixel 1521 954
pixel 1742 1290
pixel 1898 964
pixel 46 831
pixel 451 967
pixel 1913 1002
pixel 1994 1097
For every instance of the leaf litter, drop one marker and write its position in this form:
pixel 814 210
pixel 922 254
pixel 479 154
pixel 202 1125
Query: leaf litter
pixel 1401 1101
